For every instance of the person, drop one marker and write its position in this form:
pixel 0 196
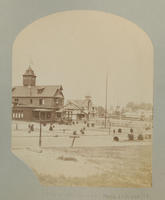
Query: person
pixel 50 128
pixel 29 127
pixel 82 131
pixel 32 127
pixel 74 132
pixel 131 135
pixel 119 130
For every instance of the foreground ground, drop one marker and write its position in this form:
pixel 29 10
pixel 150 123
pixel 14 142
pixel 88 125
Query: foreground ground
pixel 94 160
pixel 115 166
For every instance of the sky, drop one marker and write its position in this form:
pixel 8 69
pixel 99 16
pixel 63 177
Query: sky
pixel 76 49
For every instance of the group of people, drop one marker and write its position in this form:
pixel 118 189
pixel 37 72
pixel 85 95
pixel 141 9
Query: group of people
pixel 31 127
pixel 82 131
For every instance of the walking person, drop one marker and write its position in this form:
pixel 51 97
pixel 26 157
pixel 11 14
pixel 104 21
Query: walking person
pixel 29 128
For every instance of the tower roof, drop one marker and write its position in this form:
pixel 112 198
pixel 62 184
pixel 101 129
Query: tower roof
pixel 29 72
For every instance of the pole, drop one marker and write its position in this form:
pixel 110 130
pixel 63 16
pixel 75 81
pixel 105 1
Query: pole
pixel 73 141
pixel 40 131
pixel 40 135
pixel 109 127
pixel 106 100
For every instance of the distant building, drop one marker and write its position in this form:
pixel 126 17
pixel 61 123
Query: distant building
pixel 132 115
pixel 28 100
pixel 146 114
pixel 138 115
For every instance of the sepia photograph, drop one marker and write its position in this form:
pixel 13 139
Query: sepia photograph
pixel 82 100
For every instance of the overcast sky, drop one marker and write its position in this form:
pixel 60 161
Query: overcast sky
pixel 76 49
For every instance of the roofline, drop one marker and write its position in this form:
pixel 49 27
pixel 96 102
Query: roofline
pixel 35 96
pixel 39 86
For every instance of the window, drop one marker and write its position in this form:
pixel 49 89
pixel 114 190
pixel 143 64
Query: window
pixel 22 115
pixel 16 100
pixel 36 115
pixel 31 101
pixel 19 115
pixel 13 115
pixel 42 115
pixel 56 101
pixel 48 115
pixel 41 101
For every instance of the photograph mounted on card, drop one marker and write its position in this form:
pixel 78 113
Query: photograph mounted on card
pixel 82 100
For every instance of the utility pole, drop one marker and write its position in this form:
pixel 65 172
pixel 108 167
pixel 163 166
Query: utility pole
pixel 106 93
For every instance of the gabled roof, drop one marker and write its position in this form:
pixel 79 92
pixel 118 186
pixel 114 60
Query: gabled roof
pixel 81 103
pixel 72 107
pixel 36 91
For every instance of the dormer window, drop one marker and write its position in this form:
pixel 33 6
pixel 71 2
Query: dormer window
pixel 40 90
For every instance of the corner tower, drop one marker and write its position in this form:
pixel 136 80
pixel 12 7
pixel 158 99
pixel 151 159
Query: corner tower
pixel 29 78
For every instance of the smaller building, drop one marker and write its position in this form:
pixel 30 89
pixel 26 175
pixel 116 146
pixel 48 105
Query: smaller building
pixel 78 110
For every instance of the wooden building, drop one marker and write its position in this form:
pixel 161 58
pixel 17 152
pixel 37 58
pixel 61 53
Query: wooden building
pixel 78 110
pixel 29 98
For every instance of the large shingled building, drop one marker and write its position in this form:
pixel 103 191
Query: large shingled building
pixel 28 100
